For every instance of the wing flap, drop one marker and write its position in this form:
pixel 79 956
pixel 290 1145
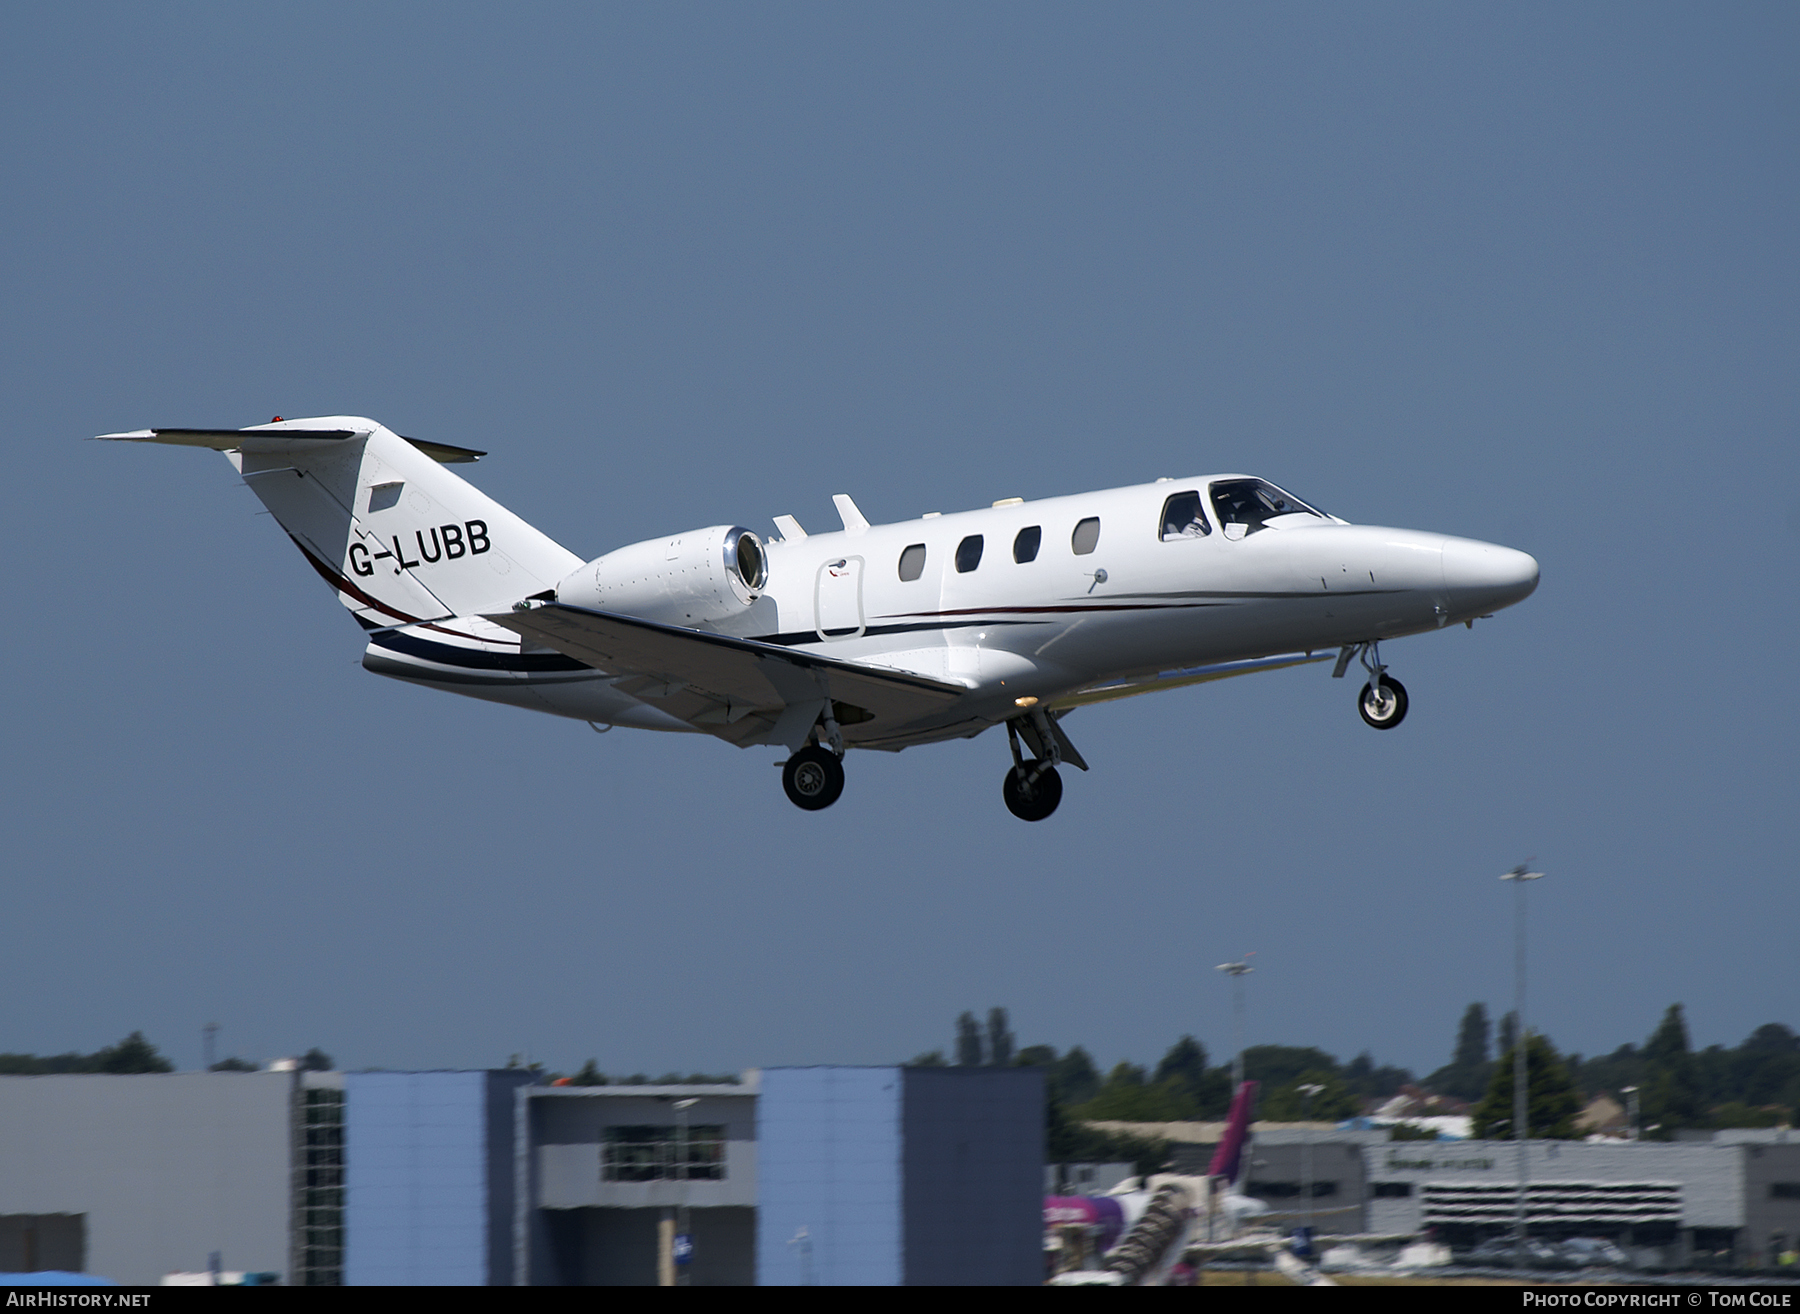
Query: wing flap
pixel 1112 689
pixel 737 689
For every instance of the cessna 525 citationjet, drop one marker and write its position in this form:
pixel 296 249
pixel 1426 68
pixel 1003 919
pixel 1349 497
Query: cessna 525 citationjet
pixel 870 636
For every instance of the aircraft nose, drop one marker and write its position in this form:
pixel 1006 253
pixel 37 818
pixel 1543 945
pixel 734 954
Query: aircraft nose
pixel 1486 576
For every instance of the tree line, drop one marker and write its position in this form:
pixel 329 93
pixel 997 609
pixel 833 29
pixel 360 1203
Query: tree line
pixel 134 1054
pixel 1755 1084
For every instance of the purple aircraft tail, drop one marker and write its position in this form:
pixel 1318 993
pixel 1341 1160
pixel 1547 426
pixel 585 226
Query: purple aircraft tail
pixel 1229 1155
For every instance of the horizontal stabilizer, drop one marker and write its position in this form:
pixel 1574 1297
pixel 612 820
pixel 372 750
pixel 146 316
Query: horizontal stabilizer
pixel 229 440
pixel 734 688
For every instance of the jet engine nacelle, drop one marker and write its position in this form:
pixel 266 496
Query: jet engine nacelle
pixel 702 575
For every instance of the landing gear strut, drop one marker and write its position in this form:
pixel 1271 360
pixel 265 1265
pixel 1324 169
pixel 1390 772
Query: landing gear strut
pixel 813 778
pixel 1382 701
pixel 1032 789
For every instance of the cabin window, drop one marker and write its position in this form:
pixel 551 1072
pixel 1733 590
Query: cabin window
pixel 1025 546
pixel 1182 517
pixel 912 562
pixel 1253 503
pixel 1086 536
pixel 968 554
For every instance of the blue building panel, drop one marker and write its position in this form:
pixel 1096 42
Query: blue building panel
pixel 828 1177
pixel 428 1189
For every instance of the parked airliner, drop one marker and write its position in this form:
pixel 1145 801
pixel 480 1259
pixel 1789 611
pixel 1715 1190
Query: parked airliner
pixel 868 636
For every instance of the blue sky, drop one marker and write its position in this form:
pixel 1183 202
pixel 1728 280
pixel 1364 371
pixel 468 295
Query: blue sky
pixel 1524 273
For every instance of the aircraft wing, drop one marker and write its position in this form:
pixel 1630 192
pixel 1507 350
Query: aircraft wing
pixel 1111 689
pixel 741 690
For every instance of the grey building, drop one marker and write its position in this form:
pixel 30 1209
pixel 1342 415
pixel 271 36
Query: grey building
pixel 133 1177
pixel 1724 1203
pixel 829 1175
pixel 608 1166
pixel 1289 1168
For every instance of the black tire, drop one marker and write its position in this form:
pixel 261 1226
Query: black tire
pixel 1386 712
pixel 1046 793
pixel 813 778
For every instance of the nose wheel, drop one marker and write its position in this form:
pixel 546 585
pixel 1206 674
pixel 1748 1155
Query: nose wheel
pixel 1383 703
pixel 813 778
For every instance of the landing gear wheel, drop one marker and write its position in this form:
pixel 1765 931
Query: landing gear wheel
pixel 1383 706
pixel 1046 793
pixel 813 778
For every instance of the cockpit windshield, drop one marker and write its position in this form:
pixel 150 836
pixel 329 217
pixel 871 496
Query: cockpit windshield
pixel 1254 503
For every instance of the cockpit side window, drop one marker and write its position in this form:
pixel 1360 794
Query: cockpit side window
pixel 1252 503
pixel 1182 517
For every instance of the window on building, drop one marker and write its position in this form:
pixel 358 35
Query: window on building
pixel 1784 1190
pixel 1390 1190
pixel 319 1189
pixel 968 554
pixel 663 1154
pixel 1086 536
pixel 912 562
pixel 1288 1190
pixel 1025 546
pixel 1182 517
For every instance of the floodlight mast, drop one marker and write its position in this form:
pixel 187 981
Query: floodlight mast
pixel 1521 1128
pixel 1307 1091
pixel 1237 972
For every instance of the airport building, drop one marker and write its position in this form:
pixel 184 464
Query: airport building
pixel 1731 1201
pixel 827 1175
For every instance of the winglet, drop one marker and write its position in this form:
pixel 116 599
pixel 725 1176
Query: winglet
pixel 790 529
pixel 854 521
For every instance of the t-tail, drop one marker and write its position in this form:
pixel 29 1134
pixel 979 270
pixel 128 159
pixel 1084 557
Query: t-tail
pixel 1228 1159
pixel 400 538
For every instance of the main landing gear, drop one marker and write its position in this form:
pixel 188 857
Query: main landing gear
pixel 1032 789
pixel 1382 701
pixel 814 777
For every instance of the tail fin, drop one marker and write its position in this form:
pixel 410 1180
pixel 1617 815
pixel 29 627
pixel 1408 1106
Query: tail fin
pixel 400 537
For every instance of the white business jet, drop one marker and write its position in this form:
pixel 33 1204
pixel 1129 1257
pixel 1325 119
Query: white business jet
pixel 870 636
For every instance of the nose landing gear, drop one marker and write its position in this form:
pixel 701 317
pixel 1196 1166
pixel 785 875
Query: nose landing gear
pixel 1382 701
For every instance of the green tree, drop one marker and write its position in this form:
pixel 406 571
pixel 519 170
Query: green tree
pixel 1195 1090
pixel 1509 1032
pixel 1000 1042
pixel 315 1060
pixel 1068 1140
pixel 132 1054
pixel 1551 1101
pixel 968 1042
pixel 1035 1056
pixel 1367 1082
pixel 1128 1096
pixel 590 1075
pixel 232 1064
pixel 1281 1065
pixel 931 1058
pixel 1074 1079
pixel 1466 1075
pixel 1672 1095
pixel 1286 1103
